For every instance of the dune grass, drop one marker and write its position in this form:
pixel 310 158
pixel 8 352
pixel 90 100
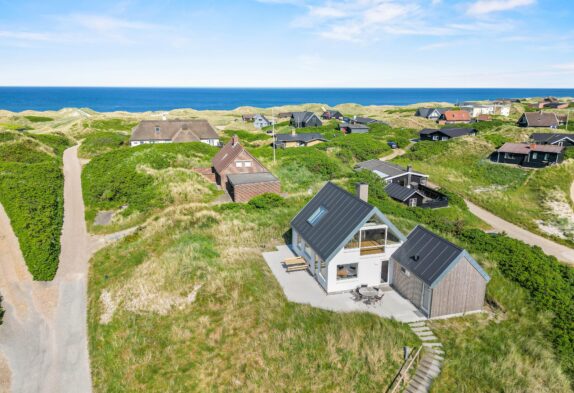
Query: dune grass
pixel 239 333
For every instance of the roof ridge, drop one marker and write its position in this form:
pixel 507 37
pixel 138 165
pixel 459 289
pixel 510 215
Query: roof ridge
pixel 349 193
pixel 437 236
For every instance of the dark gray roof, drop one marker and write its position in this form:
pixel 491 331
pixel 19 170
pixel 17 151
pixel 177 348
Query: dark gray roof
pixel 550 139
pixel 450 132
pixel 302 117
pixel 250 178
pixel 385 169
pixel 396 191
pixel 299 137
pixel 345 212
pixel 353 126
pixel 426 112
pixel 345 215
pixel 539 119
pixel 436 256
pixel 365 120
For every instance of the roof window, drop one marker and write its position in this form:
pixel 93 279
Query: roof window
pixel 317 215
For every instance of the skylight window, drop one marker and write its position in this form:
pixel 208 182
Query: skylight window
pixel 317 215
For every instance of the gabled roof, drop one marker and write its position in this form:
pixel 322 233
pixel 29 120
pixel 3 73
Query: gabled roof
pixel 540 119
pixel 551 138
pixel 228 153
pixel 332 112
pixel 173 130
pixel 450 132
pixel 345 215
pixel 299 137
pixel 302 117
pixel 430 257
pixel 525 148
pixel 456 116
pixel 385 169
pixel 353 126
pixel 259 116
pixel 366 120
pixel 398 192
pixel 426 112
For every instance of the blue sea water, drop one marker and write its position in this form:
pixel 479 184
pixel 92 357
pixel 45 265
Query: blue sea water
pixel 106 99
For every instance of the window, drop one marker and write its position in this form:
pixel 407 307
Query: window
pixel 243 164
pixel 348 271
pixel 317 215
pixel 509 156
pixel 405 272
pixel 308 250
pixel 323 268
pixel 435 137
pixel 534 156
pixel 546 157
pixel 157 129
pixel 445 138
pixel 413 202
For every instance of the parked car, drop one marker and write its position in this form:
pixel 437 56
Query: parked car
pixel 393 145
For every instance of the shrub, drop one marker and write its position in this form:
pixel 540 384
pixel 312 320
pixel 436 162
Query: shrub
pixel 427 149
pixel 266 201
pixel 58 142
pixel 102 141
pixel 496 139
pixel 38 119
pixel 363 147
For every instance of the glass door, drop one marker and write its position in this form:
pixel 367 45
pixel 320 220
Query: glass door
pixel 426 298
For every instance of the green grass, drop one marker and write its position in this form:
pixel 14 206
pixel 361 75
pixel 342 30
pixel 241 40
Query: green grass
pixel 31 191
pixel 110 124
pixel 516 194
pixel 99 142
pixel 38 119
pixel 145 178
pixel 240 334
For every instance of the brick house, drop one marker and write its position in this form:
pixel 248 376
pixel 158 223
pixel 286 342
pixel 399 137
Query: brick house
pixel 241 174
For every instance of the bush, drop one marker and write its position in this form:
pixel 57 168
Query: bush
pixel 102 141
pixel 496 139
pixel 38 119
pixel 427 149
pixel 58 142
pixel 362 147
pixel 266 201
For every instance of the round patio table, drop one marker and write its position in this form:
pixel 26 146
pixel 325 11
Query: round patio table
pixel 368 292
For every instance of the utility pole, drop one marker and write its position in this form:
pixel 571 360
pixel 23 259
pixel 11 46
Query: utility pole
pixel 273 128
pixel 567 119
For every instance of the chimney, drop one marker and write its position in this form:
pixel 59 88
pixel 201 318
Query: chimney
pixel 234 140
pixel 409 175
pixel 532 146
pixel 294 132
pixel 362 191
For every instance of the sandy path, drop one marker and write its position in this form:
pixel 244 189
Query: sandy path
pixel 395 153
pixel 44 335
pixel 563 253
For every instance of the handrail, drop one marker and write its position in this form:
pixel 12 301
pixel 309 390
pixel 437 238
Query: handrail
pixel 403 371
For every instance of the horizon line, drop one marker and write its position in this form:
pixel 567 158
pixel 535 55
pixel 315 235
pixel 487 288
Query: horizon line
pixel 276 87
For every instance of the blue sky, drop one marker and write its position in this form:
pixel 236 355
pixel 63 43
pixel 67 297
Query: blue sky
pixel 295 43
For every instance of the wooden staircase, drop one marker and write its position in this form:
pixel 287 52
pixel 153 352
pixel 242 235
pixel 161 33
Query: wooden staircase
pixel 431 361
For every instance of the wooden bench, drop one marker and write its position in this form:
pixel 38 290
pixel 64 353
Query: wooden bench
pixel 295 264
pixel 294 268
pixel 294 261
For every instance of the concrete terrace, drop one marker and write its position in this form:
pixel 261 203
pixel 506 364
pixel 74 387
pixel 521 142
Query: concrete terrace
pixel 301 287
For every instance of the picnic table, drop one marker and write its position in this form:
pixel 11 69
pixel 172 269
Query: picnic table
pixel 295 264
pixel 368 292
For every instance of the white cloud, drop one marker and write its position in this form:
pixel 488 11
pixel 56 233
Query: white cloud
pixel 484 7
pixel 26 35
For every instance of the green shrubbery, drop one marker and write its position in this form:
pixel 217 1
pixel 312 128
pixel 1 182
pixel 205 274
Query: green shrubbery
pixel 99 142
pixel 115 178
pixel 245 136
pixel 361 147
pixel 266 201
pixel 31 191
pixel 428 149
pixel 496 139
pixel 110 125
pixel 549 283
pixel 38 119
pixel 58 142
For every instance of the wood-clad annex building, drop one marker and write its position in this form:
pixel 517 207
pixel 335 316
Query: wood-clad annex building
pixel 437 276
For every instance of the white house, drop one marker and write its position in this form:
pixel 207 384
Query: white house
pixel 260 121
pixel 476 110
pixel 345 241
pixel 174 131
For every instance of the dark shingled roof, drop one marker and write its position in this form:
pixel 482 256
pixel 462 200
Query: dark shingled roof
pixel 450 132
pixel 345 213
pixel 251 178
pixel 550 139
pixel 302 117
pixel 385 169
pixel 396 191
pixel 539 119
pixel 430 257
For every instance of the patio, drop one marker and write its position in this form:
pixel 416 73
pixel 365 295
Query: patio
pixel 301 287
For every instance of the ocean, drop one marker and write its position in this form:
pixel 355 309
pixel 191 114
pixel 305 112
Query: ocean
pixel 107 99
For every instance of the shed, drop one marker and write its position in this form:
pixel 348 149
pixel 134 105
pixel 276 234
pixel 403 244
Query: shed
pixel 437 276
pixel 244 186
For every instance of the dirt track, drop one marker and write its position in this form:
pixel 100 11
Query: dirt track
pixel 44 335
pixel 563 253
